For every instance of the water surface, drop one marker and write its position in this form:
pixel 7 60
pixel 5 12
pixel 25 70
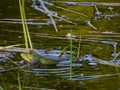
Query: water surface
pixel 102 43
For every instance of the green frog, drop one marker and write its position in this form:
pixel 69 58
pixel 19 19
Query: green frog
pixel 34 58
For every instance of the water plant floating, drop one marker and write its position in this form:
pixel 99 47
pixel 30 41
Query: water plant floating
pixel 75 12
pixel 97 11
pixel 88 22
pixel 51 13
pixel 48 12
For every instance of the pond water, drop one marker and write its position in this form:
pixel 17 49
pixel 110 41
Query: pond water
pixel 95 33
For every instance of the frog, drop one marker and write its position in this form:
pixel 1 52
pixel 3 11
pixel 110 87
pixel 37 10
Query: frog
pixel 34 58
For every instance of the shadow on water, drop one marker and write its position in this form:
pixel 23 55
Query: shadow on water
pixel 99 35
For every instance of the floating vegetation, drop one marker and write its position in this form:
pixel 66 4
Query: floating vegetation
pixel 89 24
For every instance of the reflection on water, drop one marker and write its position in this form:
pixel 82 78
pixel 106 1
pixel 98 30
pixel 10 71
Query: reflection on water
pixel 99 35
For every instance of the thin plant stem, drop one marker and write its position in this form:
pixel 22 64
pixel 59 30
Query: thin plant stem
pixel 23 24
pixel 78 53
pixel 71 56
pixel 63 50
pixel 25 27
pixel 19 82
pixel 20 67
pixel 25 80
pixel 70 11
pixel 27 30
pixel 116 55
pixel 64 19
pixel 51 4
pixel 49 14
pixel 117 70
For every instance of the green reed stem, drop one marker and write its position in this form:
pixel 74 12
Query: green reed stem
pixel 19 82
pixel 78 53
pixel 25 27
pixel 23 24
pixel 71 56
